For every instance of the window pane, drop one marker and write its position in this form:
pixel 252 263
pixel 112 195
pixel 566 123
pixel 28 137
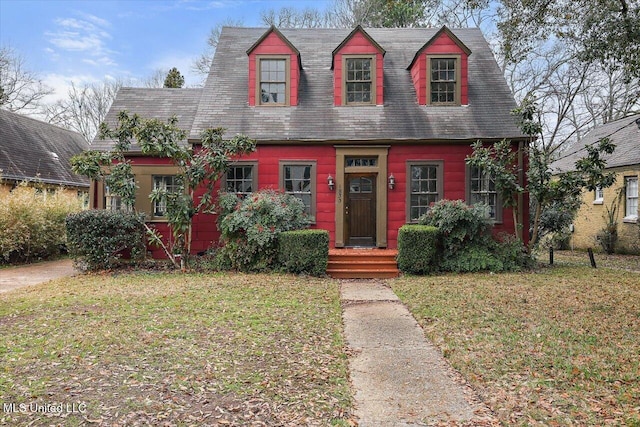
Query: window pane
pixel 273 81
pixel 240 180
pixel 167 184
pixel 273 93
pixel 358 80
pixel 632 197
pixel 297 181
pixel 367 185
pixel 483 190
pixel 443 80
pixel 424 189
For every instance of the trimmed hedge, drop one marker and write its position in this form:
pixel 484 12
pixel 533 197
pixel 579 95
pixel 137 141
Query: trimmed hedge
pixel 98 239
pixel 304 251
pixel 417 248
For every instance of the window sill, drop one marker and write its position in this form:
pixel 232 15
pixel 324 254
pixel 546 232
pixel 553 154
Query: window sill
pixel 630 219
pixel 361 104
pixel 598 202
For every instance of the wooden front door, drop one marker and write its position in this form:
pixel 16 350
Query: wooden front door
pixel 360 210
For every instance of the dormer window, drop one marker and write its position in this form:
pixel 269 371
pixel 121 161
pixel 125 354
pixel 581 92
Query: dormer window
pixel 358 67
pixel 359 79
pixel 273 85
pixel 274 71
pixel 439 70
pixel 443 84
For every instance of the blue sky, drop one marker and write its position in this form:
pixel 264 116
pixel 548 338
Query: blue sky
pixel 87 41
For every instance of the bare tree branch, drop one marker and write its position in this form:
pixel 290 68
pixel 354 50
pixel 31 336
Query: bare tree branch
pixel 202 65
pixel 20 89
pixel 85 108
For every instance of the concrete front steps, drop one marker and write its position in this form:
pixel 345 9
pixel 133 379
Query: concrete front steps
pixel 359 263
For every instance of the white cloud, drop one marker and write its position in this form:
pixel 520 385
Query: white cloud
pixel 62 83
pixel 96 20
pixel 86 35
pixel 104 61
pixel 74 41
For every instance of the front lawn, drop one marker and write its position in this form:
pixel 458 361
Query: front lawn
pixel 174 349
pixel 557 347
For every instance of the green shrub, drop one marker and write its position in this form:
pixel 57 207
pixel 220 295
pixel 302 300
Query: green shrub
pixel 249 227
pixel 304 251
pixel 466 242
pixel 32 223
pixel 459 224
pixel 471 259
pixel 511 252
pixel 98 239
pixel 417 248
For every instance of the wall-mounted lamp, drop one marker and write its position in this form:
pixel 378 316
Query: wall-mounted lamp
pixel 392 182
pixel 331 183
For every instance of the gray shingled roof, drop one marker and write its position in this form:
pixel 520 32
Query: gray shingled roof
pixel 152 103
pixel 224 99
pixel 31 149
pixel 223 102
pixel 624 133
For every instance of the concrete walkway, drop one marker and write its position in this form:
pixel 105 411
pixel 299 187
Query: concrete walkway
pixel 26 275
pixel 400 379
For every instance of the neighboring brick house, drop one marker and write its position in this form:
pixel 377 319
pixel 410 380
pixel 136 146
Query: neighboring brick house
pixel 367 127
pixel 38 153
pixel 625 162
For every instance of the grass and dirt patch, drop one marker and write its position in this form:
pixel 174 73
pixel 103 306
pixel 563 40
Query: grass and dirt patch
pixel 175 349
pixel 603 260
pixel 556 347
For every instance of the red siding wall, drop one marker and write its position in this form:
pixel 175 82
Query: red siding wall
pixel 419 73
pixel 274 45
pixel 357 44
pixel 206 235
pixel 268 176
pixel 454 182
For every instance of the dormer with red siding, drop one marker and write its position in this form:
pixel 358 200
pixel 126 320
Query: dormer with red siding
pixel 274 71
pixel 358 66
pixel 439 70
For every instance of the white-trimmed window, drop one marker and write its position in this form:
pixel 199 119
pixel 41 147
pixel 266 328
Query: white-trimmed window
pixel 299 179
pixel 424 189
pixel 631 200
pixel 598 197
pixel 482 189
pixel 166 184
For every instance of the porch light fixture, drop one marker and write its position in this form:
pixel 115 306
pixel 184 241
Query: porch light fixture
pixel 392 182
pixel 331 183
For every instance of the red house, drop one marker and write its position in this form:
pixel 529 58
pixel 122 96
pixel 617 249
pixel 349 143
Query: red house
pixel 367 127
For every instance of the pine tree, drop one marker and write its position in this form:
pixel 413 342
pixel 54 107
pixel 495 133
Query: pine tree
pixel 174 79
